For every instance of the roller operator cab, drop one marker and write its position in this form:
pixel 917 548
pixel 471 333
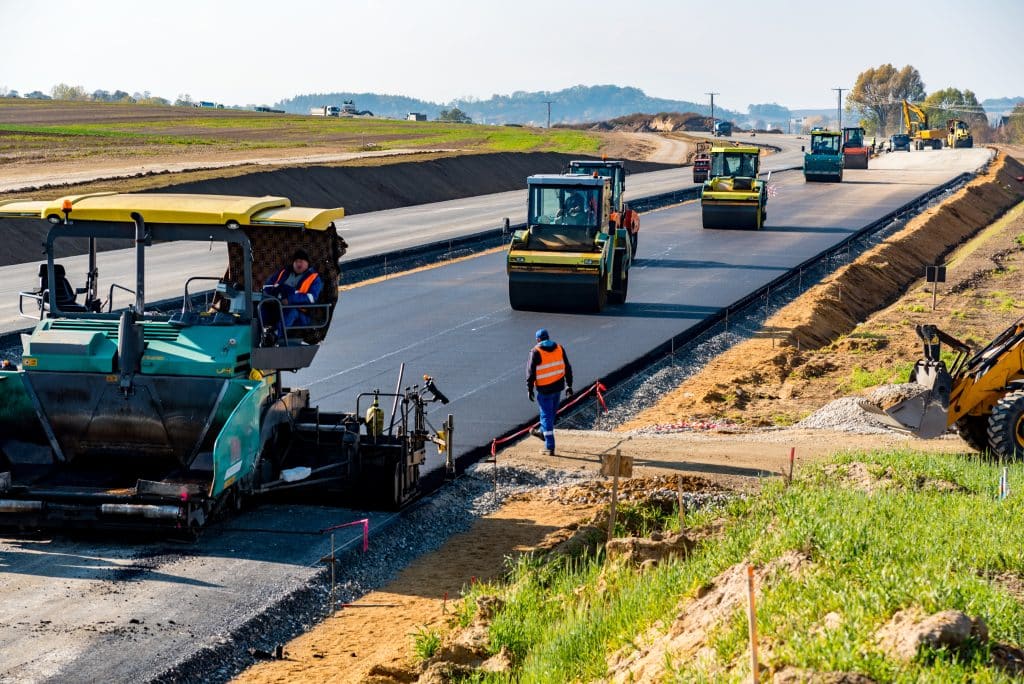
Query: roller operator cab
pixel 855 151
pixel 824 161
pixel 126 415
pixel 734 196
pixel 570 256
pixel 615 171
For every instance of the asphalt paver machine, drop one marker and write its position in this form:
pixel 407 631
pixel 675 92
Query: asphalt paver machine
pixel 149 417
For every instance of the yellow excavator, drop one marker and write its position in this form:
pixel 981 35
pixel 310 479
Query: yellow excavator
pixel 916 121
pixel 980 395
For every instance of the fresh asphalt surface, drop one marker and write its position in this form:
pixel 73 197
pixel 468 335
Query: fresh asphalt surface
pixel 381 232
pixel 68 604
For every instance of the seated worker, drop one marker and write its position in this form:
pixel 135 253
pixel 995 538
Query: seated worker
pixel 293 285
pixel 574 213
pixel 746 167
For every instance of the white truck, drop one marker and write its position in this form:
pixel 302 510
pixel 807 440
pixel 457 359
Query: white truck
pixel 326 110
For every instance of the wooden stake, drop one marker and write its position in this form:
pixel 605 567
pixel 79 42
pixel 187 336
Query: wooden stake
pixel 792 456
pixel 755 674
pixel 682 508
pixel 615 495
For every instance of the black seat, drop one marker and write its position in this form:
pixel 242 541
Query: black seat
pixel 66 295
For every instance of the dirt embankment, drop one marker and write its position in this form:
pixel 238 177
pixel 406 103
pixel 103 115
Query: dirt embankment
pixel 768 379
pixel 358 188
pixel 662 122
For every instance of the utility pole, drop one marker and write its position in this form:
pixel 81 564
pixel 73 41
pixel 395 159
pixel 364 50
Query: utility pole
pixel 712 110
pixel 839 106
pixel 549 103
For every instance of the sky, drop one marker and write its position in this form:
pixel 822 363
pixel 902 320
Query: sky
pixel 261 51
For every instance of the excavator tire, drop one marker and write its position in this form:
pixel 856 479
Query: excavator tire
pixel 974 431
pixel 1006 426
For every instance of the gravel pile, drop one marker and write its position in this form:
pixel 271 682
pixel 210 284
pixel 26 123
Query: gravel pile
pixel 844 415
pixel 885 396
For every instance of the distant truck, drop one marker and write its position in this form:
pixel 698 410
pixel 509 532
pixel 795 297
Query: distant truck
pixel 326 110
pixel 723 128
pixel 900 141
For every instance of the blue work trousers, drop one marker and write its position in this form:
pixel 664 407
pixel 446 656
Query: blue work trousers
pixel 548 404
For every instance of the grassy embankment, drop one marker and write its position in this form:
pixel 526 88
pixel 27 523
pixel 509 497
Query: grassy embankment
pixel 872 554
pixel 262 132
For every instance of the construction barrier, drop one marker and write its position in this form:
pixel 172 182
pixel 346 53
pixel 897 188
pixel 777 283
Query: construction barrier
pixel 597 389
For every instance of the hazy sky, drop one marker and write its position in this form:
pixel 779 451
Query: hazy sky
pixel 260 51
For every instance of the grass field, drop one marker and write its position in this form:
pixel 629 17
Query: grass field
pixel 932 536
pixel 33 131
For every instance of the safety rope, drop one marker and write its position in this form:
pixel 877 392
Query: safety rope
pixel 598 389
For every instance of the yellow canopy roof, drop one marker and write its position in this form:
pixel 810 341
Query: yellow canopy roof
pixel 737 148
pixel 203 210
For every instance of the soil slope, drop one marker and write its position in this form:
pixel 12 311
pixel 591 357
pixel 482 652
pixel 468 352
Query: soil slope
pixel 813 351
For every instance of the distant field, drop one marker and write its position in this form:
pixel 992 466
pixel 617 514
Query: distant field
pixel 33 131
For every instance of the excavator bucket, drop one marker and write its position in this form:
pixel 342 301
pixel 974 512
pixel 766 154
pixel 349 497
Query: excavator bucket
pixel 924 414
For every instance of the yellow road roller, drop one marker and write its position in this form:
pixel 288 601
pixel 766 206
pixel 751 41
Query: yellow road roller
pixel 734 197
pixel 571 256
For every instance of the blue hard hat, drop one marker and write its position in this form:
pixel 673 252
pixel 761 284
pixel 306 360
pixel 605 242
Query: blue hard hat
pixel 542 334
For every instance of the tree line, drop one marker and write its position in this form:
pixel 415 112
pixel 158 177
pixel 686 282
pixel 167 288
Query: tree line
pixel 878 94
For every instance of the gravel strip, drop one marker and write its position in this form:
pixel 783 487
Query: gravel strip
pixel 420 530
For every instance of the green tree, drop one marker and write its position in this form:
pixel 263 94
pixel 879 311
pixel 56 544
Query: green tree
pixel 878 93
pixel 453 115
pixel 63 91
pixel 1014 128
pixel 951 103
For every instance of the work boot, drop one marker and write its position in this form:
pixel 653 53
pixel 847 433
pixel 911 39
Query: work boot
pixel 547 452
pixel 535 432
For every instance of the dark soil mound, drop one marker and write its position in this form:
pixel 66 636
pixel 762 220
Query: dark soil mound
pixel 359 189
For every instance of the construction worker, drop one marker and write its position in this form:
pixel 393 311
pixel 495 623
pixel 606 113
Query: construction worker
pixel 293 285
pixel 548 372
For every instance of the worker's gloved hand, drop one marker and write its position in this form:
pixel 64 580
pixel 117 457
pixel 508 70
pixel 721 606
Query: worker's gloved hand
pixel 530 393
pixel 568 392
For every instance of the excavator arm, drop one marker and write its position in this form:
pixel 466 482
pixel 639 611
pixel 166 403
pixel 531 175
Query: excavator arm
pixel 920 115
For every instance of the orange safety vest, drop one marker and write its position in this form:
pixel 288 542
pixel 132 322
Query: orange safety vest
pixel 303 286
pixel 307 283
pixel 551 368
